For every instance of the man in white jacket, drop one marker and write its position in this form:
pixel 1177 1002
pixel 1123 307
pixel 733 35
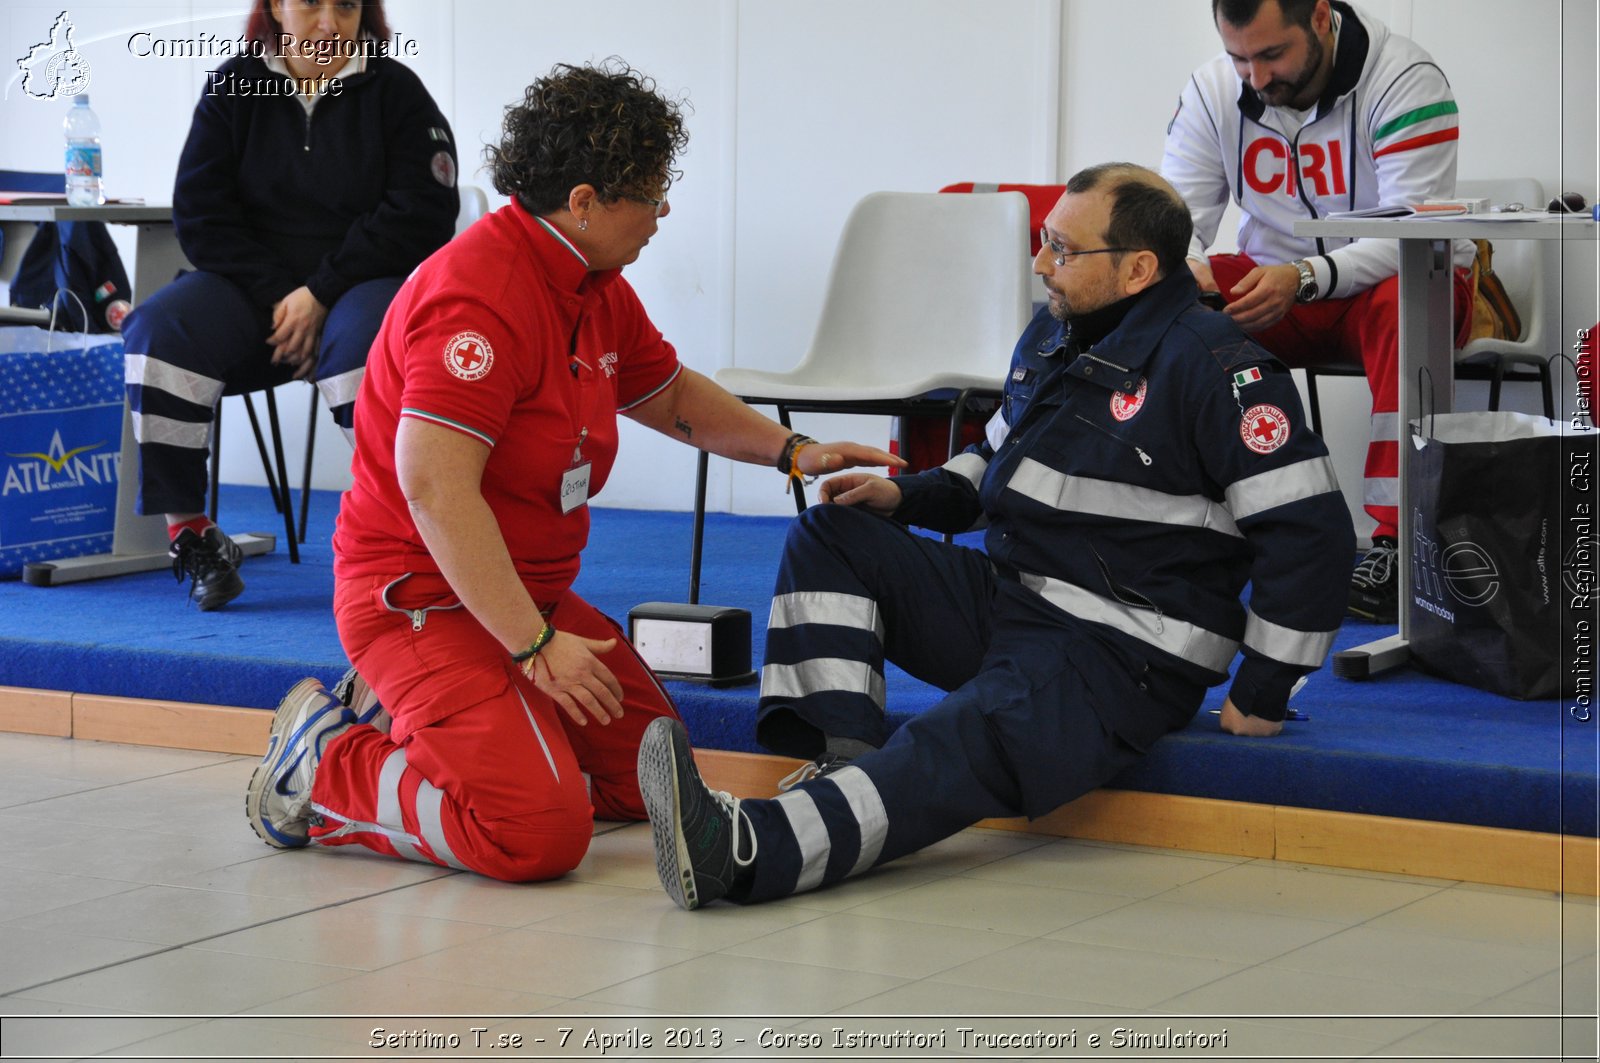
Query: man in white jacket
pixel 1315 107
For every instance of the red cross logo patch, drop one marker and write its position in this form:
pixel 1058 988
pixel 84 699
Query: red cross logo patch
pixel 1264 428
pixel 1123 407
pixel 468 356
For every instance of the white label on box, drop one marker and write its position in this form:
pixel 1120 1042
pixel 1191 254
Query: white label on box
pixel 682 646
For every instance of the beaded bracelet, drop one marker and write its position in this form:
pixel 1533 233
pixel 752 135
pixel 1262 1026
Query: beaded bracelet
pixel 791 447
pixel 540 641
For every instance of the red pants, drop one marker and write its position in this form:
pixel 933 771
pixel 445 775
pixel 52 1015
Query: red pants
pixel 481 771
pixel 1362 330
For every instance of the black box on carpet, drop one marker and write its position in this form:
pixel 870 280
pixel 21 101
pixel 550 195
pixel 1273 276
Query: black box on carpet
pixel 705 643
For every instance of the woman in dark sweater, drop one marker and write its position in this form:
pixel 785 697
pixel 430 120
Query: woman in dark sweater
pixel 317 175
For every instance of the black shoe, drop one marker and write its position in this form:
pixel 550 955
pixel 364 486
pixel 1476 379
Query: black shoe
pixel 211 561
pixel 696 829
pixel 826 764
pixel 1375 584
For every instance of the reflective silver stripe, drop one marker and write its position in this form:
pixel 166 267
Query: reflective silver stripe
pixel 1177 637
pixel 353 826
pixel 390 815
pixel 997 429
pixel 968 466
pixel 1305 648
pixel 341 389
pixel 867 806
pixel 150 372
pixel 1381 491
pixel 984 186
pixel 151 428
pixel 554 774
pixel 431 825
pixel 810 834
pixel 1385 426
pixel 820 674
pixel 1102 498
pixel 825 607
pixel 1268 490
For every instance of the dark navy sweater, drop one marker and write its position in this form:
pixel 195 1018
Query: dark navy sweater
pixel 273 199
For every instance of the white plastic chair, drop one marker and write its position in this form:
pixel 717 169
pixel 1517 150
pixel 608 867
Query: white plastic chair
pixel 474 205
pixel 1523 266
pixel 923 306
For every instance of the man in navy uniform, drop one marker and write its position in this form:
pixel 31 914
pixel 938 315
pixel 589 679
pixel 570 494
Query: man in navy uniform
pixel 1147 462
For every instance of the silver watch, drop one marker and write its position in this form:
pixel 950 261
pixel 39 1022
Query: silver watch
pixel 1307 289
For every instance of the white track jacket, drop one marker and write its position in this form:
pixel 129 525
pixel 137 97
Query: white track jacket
pixel 1383 134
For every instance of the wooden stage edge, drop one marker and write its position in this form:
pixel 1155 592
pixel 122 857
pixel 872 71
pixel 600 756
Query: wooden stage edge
pixel 1526 859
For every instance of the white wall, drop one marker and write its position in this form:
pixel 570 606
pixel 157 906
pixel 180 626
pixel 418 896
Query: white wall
pixel 800 109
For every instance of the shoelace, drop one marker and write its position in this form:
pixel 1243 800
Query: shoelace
pixel 1376 567
pixel 826 764
pixel 198 562
pixel 730 804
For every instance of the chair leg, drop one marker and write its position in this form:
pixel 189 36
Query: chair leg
pixel 216 458
pixel 311 446
pixel 283 477
pixel 1311 399
pixel 702 463
pixel 278 501
pixel 797 483
pixel 1496 379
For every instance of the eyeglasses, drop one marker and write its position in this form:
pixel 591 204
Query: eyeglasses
pixel 657 205
pixel 1062 254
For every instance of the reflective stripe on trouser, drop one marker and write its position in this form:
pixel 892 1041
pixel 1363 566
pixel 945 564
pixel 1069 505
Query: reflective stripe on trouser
pixel 1363 329
pixel 481 770
pixel 1022 737
pixel 853 589
pixel 201 335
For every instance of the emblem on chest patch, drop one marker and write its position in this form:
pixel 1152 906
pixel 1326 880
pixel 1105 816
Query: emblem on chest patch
pixel 1123 407
pixel 1264 428
pixel 468 356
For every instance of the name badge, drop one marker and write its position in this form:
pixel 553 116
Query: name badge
pixel 575 487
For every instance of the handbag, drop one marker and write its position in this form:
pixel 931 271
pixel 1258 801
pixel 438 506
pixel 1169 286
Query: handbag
pixel 61 409
pixel 1503 594
pixel 1494 316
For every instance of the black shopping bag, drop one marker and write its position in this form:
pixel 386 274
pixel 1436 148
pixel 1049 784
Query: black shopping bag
pixel 1503 559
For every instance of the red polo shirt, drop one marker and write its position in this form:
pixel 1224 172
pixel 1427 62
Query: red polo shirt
pixel 505 336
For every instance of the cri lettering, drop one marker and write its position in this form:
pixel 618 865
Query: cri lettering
pixel 1319 164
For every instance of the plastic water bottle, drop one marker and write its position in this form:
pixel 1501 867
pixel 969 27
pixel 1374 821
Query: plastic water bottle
pixel 82 129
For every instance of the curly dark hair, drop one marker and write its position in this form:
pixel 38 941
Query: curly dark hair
pixel 602 125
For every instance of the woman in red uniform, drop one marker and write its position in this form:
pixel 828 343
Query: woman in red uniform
pixel 488 422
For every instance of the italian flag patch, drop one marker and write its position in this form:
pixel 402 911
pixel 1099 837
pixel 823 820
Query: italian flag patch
pixel 1246 376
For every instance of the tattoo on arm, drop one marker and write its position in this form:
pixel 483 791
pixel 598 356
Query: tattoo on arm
pixel 683 426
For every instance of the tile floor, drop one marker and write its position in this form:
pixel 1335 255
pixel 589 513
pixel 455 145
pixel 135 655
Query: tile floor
pixel 140 918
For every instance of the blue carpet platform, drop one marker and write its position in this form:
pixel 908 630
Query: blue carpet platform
pixel 1404 744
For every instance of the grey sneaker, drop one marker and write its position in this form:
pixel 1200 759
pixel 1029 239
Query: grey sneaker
pixel 696 828
pixel 278 802
pixel 354 694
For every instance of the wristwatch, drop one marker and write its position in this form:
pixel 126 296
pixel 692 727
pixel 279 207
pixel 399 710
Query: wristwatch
pixel 1307 289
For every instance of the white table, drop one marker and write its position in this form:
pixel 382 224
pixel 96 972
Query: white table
pixel 1427 339
pixel 138 543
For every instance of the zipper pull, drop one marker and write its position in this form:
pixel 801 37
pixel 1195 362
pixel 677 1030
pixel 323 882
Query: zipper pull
pixel 417 616
pixel 1143 457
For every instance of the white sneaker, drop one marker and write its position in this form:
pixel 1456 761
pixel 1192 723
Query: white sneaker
pixel 353 692
pixel 278 802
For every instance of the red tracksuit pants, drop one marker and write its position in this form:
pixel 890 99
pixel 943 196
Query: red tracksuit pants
pixel 480 770
pixel 1361 330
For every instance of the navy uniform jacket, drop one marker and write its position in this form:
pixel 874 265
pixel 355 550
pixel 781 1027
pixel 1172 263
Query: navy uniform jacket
pixel 272 199
pixel 1141 484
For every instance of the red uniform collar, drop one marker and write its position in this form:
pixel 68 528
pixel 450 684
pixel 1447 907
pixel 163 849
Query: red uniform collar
pixel 563 265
